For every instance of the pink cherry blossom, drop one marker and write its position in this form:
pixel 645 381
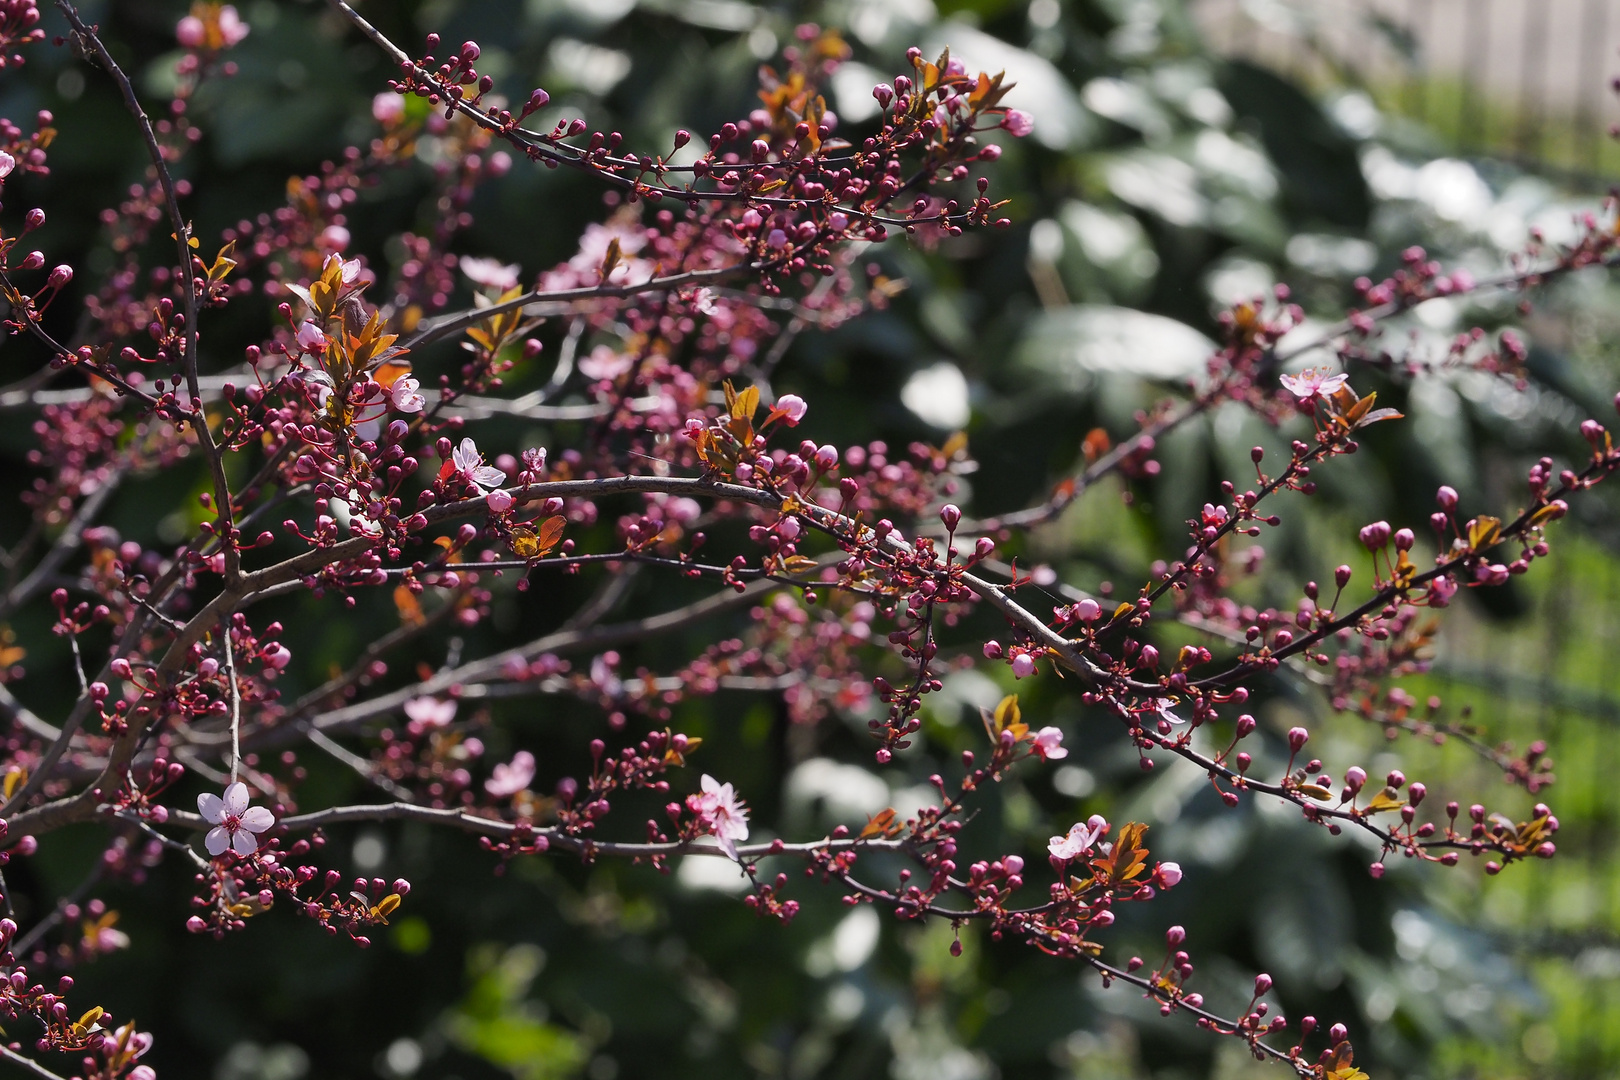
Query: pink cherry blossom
pixel 1313 382
pixel 1169 874
pixel 1023 665
pixel 1078 842
pixel 1018 123
pixel 792 407
pixel 235 822
pixel 508 780
pixel 1049 744
pixel 333 238
pixel 7 163
pixel 499 501
pixel 406 394
pixel 309 337
pixel 703 301
pixel 470 464
pixel 725 815
pixel 191 32
pixel 604 362
pixel 231 27
pixel 491 273
pixel 388 108
pixel 428 713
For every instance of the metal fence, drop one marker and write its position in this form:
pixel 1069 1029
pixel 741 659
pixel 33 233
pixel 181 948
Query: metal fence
pixel 1524 79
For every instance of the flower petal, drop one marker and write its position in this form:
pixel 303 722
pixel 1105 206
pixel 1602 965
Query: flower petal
pixel 211 807
pixel 244 842
pixel 236 799
pixel 257 819
pixel 217 840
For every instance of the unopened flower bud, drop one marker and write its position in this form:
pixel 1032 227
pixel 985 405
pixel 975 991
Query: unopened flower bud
pixel 1297 738
pixel 1175 936
pixel 1341 576
pixel 1404 539
pixel 1338 1033
pixel 1355 778
pixel 1376 535
pixel 1088 610
pixel 1415 793
pixel 1262 984
pixel 60 276
pixel 983 547
pixel 1446 497
pixel 951 515
pixel 884 93
pixel 827 457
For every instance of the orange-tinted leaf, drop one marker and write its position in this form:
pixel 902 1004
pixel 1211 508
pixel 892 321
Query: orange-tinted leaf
pixel 551 531
pixel 1483 531
pixel 881 823
pixel 1385 800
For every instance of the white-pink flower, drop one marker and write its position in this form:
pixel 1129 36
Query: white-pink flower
pixel 470 464
pixel 191 32
pixel 1169 874
pixel 334 238
pixel 1081 836
pixel 309 337
pixel 427 713
pixel 792 407
pixel 1049 744
pixel 235 822
pixel 7 163
pixel 1018 123
pixel 605 362
pixel 718 807
pixel 406 394
pixel 231 27
pixel 1313 382
pixel 491 273
pixel 499 501
pixel 510 779
pixel 388 108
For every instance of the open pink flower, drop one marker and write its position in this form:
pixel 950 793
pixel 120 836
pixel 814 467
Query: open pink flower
pixel 406 394
pixel 235 822
pixel 388 108
pixel 791 407
pixel 1018 123
pixel 1313 382
pixel 1049 744
pixel 491 273
pixel 470 464
pixel 718 807
pixel 508 780
pixel 429 713
pixel 1078 842
pixel 309 337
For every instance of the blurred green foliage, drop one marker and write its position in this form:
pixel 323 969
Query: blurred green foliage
pixel 1160 185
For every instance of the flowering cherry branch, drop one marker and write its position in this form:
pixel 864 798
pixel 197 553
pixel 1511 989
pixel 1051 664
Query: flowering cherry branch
pixel 857 581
